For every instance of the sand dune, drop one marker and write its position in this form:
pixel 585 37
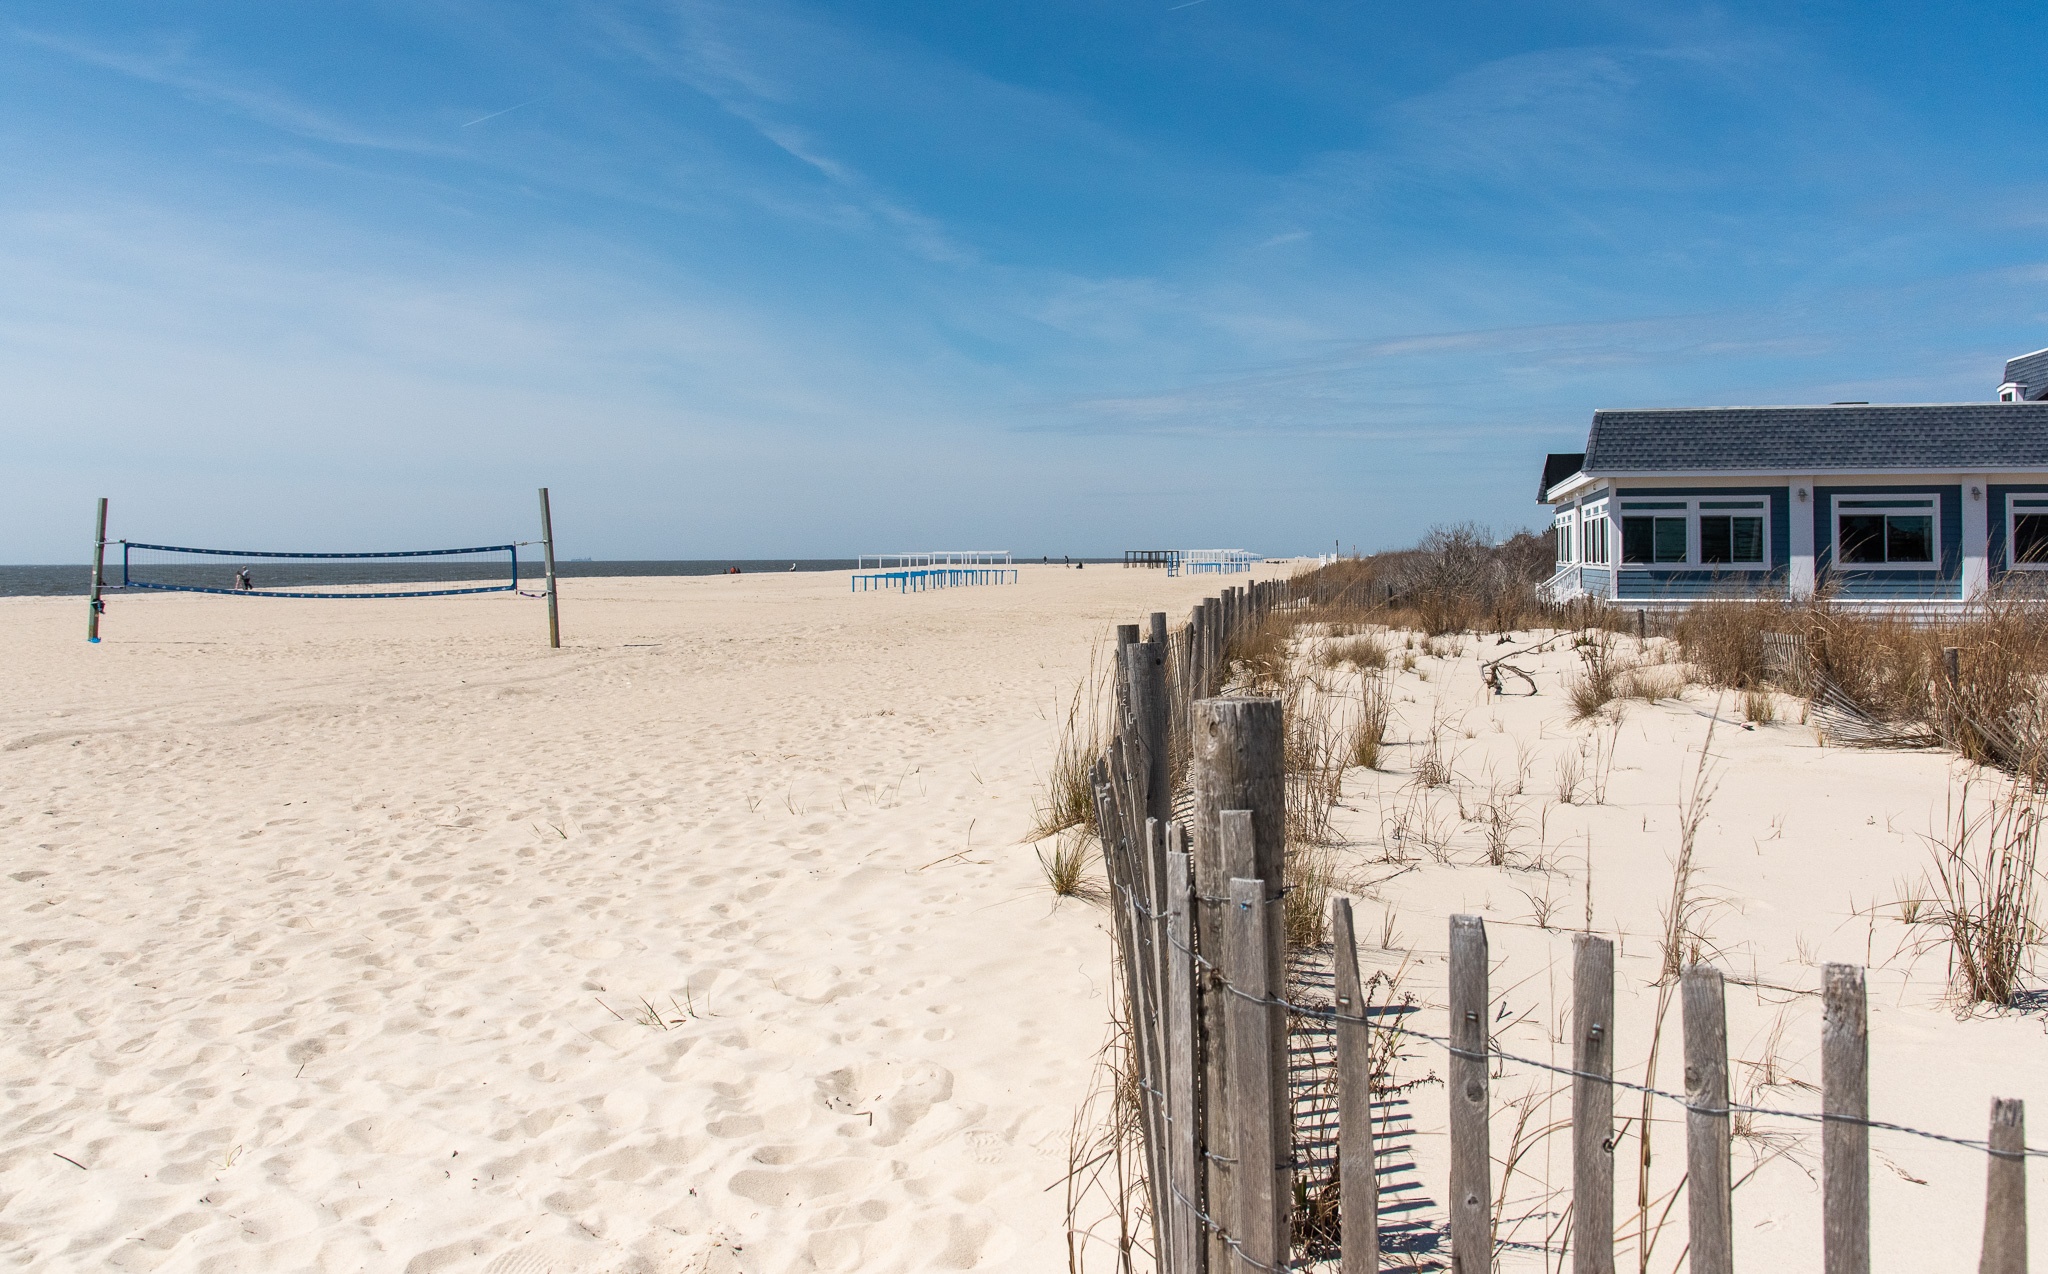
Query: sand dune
pixel 376 936
pixel 1803 856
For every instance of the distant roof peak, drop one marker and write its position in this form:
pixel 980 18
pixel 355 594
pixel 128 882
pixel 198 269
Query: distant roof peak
pixel 2030 370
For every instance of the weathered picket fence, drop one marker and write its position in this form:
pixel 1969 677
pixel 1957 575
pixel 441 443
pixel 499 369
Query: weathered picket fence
pixel 1195 868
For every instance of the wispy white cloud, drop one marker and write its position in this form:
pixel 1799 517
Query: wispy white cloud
pixel 174 67
pixel 483 119
pixel 710 51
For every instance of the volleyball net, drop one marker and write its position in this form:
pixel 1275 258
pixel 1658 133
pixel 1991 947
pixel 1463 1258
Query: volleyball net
pixel 488 568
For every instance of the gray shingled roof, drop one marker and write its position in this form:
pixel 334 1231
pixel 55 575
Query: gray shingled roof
pixel 2030 370
pixel 1820 439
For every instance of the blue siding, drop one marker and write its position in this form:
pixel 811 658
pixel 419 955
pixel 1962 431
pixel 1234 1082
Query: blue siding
pixel 1692 586
pixel 1997 495
pixel 1593 579
pixel 1943 583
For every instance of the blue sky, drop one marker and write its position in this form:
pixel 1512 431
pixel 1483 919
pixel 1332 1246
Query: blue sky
pixel 768 279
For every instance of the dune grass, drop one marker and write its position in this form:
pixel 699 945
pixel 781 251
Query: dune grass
pixel 1983 893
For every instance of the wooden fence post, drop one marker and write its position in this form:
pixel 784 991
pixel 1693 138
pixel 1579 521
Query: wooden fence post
pixel 1143 868
pixel 1708 1184
pixel 1126 637
pixel 2005 1191
pixel 1471 1165
pixel 1238 755
pixel 1208 659
pixel 1184 1145
pixel 1845 1138
pixel 1592 1105
pixel 1358 1186
pixel 1116 861
pixel 1145 669
pixel 1260 1224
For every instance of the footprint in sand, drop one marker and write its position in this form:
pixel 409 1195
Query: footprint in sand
pixel 896 1094
pixel 823 985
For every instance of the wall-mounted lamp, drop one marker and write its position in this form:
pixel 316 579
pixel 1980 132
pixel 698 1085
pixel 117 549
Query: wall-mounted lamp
pixel 1976 493
pixel 1801 492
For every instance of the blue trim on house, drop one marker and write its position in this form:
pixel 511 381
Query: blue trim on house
pixel 1997 495
pixel 1944 583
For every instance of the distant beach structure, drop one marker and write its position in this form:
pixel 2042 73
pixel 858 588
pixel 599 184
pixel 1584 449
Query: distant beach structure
pixel 937 568
pixel 1193 561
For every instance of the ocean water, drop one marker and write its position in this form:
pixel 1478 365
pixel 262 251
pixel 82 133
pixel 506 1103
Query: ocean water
pixel 76 581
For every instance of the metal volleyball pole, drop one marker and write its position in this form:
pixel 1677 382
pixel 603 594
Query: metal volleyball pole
pixel 99 564
pixel 547 545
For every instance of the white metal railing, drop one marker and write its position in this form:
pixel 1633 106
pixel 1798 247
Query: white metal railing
pixel 1217 561
pixel 934 557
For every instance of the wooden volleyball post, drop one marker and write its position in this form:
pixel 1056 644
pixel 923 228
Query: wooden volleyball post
pixel 99 575
pixel 547 548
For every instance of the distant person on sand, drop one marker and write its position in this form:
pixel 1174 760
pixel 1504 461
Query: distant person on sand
pixel 243 583
pixel 792 566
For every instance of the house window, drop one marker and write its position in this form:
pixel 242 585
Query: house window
pixel 1593 540
pixel 1564 541
pixel 1731 532
pixel 1654 533
pixel 2026 538
pixel 1718 533
pixel 1894 531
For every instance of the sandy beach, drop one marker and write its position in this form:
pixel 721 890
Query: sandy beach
pixel 377 936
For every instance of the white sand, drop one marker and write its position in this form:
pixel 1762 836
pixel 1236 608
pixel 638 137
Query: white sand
pixel 322 911
pixel 319 906
pixel 1802 857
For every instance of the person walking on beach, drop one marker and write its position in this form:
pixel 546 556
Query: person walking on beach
pixel 243 583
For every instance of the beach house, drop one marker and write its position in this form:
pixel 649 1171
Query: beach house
pixel 1920 507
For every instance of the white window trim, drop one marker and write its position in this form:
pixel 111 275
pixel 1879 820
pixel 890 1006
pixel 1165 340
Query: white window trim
pixel 1876 506
pixel 1592 520
pixel 2035 502
pixel 1759 505
pixel 1568 542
